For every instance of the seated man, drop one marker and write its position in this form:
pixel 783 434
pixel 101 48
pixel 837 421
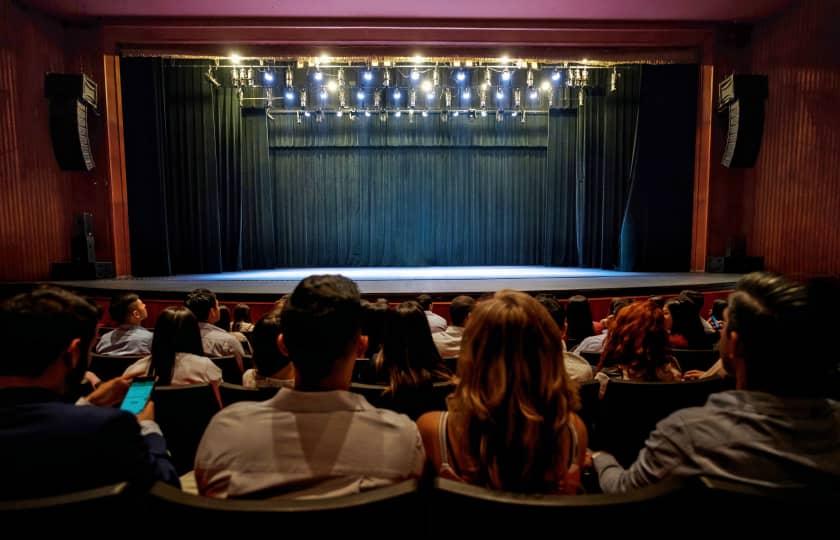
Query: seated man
pixel 577 368
pixel 448 342
pixel 775 429
pixel 595 344
pixel 130 338
pixel 216 342
pixel 318 439
pixel 49 445
pixel 436 322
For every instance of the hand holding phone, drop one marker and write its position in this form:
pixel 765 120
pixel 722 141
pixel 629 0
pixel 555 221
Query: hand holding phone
pixel 138 394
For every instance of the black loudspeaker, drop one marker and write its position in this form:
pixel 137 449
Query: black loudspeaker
pixel 734 264
pixel 741 107
pixel 70 96
pixel 82 246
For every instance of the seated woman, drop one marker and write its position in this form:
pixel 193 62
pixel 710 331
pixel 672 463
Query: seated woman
pixel 579 319
pixel 242 319
pixel 684 326
pixel 409 363
pixel 637 347
pixel 509 424
pixel 273 368
pixel 177 354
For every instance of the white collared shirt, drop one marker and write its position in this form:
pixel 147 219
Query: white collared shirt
pixel 306 445
pixel 436 322
pixel 448 342
pixel 188 369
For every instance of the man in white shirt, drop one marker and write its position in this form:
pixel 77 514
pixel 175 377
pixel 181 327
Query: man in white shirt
pixel 318 439
pixel 436 322
pixel 130 338
pixel 448 342
pixel 577 368
pixel 216 342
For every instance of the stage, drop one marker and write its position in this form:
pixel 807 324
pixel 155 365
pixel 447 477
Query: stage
pixel 404 282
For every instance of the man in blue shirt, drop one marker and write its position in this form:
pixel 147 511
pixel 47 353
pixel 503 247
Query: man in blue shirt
pixel 130 338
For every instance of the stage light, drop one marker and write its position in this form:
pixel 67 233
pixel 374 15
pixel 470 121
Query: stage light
pixel 398 114
pixel 417 59
pixel 323 93
pixel 545 86
pixel 506 75
pixel 529 80
pixel 454 114
pixel 397 94
pixel 318 76
pixel 298 119
pixel 360 95
pixel 461 76
pixel 268 77
pixel 505 59
pixel 533 94
pixel 415 75
pixel 513 114
pixel 340 76
pixel 430 96
pixel 435 78
pixel 332 86
pixel 412 99
pixel 499 115
pixel 580 97
pixel 368 75
pixel 290 94
pixel 367 113
pixel 339 113
pixel 483 112
pixel 613 80
pixel 426 86
pixel 386 79
pixel 425 114
pixel 303 98
pixel 555 75
pixel 324 59
pixel 306 114
pixel 500 94
pixel 466 94
pixel 235 58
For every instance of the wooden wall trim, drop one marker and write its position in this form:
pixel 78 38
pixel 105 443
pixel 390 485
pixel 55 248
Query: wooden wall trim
pixel 703 160
pixel 118 191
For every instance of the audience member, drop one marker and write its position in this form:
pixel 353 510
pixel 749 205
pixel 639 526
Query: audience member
pixel 509 424
pixel 697 300
pixel 595 344
pixel 577 368
pixel 436 322
pixel 685 330
pixel 273 368
pixel 775 429
pixel 177 356
pixel 373 325
pixel 224 319
pixel 317 439
pixel 448 342
pixel 49 445
pixel 579 319
pixel 129 338
pixel 216 341
pixel 242 319
pixel 716 315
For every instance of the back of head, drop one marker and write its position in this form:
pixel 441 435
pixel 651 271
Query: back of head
pixel 176 331
pixel 373 326
pixel 686 323
pixel 638 340
pixel 695 298
pixel 617 304
pixel 267 356
pixel 772 319
pixel 120 307
pixel 513 400
pixel 242 313
pixel 38 327
pixel 321 322
pixel 460 308
pixel 201 302
pixel 224 319
pixel 555 309
pixel 579 318
pixel 409 355
pixel 718 306
pixel 425 302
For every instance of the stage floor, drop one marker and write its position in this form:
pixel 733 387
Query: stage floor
pixel 441 281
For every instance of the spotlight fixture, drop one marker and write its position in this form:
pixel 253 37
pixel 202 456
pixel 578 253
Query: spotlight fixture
pixel 460 76
pixel 613 80
pixel 339 113
pixel 360 95
pixel 235 58
pixel 506 75
pixel 483 113
pixel 340 76
pixel 290 94
pixel 425 113
pixel 454 114
pixel 332 86
pixel 307 114
pixel 513 114
pixel 412 99
pixel 367 113
pixel 268 77
pixel 555 75
pixel 318 76
pixel 397 94
pixel 427 86
pixel 386 78
pixel 415 75
pixel 500 94
pixel 545 86
pixel 398 113
pixel 533 94
pixel 303 98
pixel 323 94
pixel 466 94
pixel 290 78
pixel 367 75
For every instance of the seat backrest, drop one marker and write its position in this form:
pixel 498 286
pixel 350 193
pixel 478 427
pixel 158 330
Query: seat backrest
pixel 590 407
pixel 631 409
pixel 107 367
pixel 52 513
pixel 234 393
pixel 230 368
pixel 389 508
pixel 592 357
pixel 183 413
pixel 468 511
pixel 701 359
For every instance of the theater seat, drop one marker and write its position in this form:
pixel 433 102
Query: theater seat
pixel 183 413
pixel 31 516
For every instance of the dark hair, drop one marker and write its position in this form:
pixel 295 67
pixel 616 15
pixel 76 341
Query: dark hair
pixel 460 308
pixel 555 309
pixel 770 314
pixel 321 322
pixel 409 356
pixel 224 318
pixel 695 298
pixel 176 331
pixel 717 308
pixel 37 327
pixel 242 313
pixel 617 303
pixel 686 323
pixel 658 300
pixel 373 325
pixel 120 307
pixel 425 302
pixel 579 317
pixel 201 302
pixel 267 357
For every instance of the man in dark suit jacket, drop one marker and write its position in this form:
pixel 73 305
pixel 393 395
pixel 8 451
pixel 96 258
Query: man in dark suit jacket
pixel 52 441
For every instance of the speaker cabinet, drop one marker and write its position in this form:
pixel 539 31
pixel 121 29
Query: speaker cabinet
pixel 734 264
pixel 70 96
pixel 82 247
pixel 741 108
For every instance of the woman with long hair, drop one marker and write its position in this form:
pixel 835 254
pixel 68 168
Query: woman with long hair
pixel 242 318
pixel 579 320
pixel 684 325
pixel 510 423
pixel 272 368
pixel 177 355
pixel 637 347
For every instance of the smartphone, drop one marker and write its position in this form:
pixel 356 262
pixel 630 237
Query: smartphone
pixel 138 394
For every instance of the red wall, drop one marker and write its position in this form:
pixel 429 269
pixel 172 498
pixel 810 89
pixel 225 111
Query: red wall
pixel 37 200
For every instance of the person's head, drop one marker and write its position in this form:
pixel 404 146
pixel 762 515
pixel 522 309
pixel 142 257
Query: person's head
pixel 280 302
pixel 409 356
pixel 695 298
pixel 46 336
pixel 717 308
pixel 767 324
pixel 579 318
pixel 373 325
pixel 681 319
pixel 242 313
pixel 127 309
pixel 460 308
pixel 616 305
pixel 321 330
pixel 176 331
pixel 638 340
pixel 555 309
pixel 268 359
pixel 425 302
pixel 204 305
pixel 512 404
pixel 224 318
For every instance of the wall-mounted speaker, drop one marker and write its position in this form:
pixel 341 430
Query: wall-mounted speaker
pixel 70 96
pixel 741 109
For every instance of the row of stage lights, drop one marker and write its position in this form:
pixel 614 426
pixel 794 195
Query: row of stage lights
pixel 376 84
